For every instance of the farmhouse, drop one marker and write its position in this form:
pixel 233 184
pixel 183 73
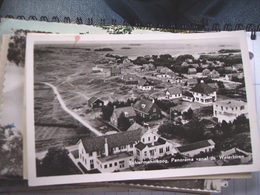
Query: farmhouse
pixel 144 85
pixel 229 110
pixel 147 109
pixel 203 93
pixel 95 102
pixel 173 93
pixel 197 148
pixel 187 96
pixel 128 112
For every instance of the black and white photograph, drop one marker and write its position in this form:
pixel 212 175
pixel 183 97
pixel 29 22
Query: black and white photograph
pixel 138 106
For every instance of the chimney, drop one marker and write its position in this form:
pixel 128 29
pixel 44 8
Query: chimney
pixel 106 147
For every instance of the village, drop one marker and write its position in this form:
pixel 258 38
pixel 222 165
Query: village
pixel 171 119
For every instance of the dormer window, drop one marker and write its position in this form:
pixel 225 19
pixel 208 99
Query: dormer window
pixel 143 106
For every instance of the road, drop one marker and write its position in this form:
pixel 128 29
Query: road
pixel 70 112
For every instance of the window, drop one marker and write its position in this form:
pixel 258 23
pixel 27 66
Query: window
pixel 90 154
pixel 110 165
pixel 145 153
pixel 122 164
pixel 154 137
pixel 138 152
pixel 143 140
pixel 197 99
pixel 216 113
pixel 242 107
pixel 161 150
pixel 167 148
pixel 154 110
pixel 105 166
pixel 115 163
pixel 152 152
pixel 148 139
pixel 221 107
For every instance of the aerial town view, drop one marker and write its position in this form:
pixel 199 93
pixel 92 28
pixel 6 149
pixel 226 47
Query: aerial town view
pixel 130 106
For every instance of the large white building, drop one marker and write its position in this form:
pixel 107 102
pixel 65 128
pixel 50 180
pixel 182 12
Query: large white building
pixel 115 152
pixel 203 93
pixel 229 110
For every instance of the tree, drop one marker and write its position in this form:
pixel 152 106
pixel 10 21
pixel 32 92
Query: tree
pixel 56 162
pixel 123 122
pixel 16 50
pixel 107 111
pixel 188 115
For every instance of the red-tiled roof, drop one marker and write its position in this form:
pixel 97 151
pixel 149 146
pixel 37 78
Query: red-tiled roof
pixel 195 146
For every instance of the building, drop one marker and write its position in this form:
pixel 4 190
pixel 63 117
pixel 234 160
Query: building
pixel 196 148
pixel 115 152
pixel 115 71
pixel 192 71
pixel 203 93
pixel 147 110
pixel 173 93
pixel 229 110
pixel 97 69
pixel 144 85
pixel 130 79
pixel 108 153
pixel 214 74
pixel 95 102
pixel 206 72
pixel 152 147
pixel 187 96
pixel 128 112
pixel 192 82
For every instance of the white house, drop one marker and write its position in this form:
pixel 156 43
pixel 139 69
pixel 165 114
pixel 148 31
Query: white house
pixel 197 148
pixel 173 93
pixel 229 110
pixel 106 153
pixel 187 96
pixel 203 93
pixel 152 147
pixel 144 85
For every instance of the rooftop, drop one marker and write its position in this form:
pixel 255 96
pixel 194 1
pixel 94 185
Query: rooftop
pixel 203 88
pixel 231 103
pixel 174 90
pixel 196 145
pixel 113 140
pixel 113 157
pixel 128 111
pixel 144 105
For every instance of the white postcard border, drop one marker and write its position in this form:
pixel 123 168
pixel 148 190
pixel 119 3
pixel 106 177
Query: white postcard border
pixel 33 39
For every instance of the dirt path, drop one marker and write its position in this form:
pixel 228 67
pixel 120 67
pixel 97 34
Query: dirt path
pixel 70 112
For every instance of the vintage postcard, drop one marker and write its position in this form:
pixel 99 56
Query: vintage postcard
pixel 108 108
